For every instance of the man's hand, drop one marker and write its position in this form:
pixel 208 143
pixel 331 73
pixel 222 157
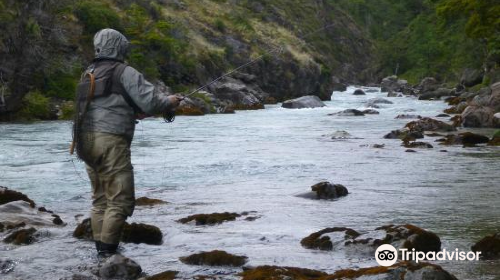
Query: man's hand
pixel 174 101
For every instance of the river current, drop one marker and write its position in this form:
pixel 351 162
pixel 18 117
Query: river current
pixel 259 161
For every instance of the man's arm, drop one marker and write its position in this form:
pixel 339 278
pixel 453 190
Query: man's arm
pixel 144 94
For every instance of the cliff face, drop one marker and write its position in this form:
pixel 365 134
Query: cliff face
pixel 184 43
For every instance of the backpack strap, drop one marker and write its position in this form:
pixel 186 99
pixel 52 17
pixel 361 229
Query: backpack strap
pixel 117 87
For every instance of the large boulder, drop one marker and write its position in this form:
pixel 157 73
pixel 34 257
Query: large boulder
pixel 393 84
pixel 359 92
pixel 471 77
pixel 489 247
pixel 478 116
pixel 327 190
pixel 7 195
pixel 308 101
pixel 436 94
pixel 428 84
pixel 467 139
pixel 239 94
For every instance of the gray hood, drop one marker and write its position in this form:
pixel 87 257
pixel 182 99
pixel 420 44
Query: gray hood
pixel 109 43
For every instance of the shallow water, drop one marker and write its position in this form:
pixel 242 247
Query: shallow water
pixel 259 161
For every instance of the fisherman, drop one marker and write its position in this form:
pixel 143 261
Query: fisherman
pixel 110 97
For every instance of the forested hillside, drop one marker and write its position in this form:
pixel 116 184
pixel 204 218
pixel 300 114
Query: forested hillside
pixel 184 43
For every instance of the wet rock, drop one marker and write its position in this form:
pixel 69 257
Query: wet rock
pixel 270 100
pixel 166 275
pixel 456 120
pixel 489 247
pixel 393 84
pixel 428 124
pixel 119 267
pixel 401 270
pixel 6 266
pixel 371 90
pixel 443 116
pixel 370 112
pixel 8 195
pixel 359 92
pixel 240 95
pixel 348 112
pixel 326 190
pixel 395 94
pixel 322 241
pixel 378 146
pixel 404 133
pixel 132 233
pixel 20 211
pixel 210 219
pixel 408 116
pixel 339 135
pixel 416 144
pixel 214 258
pixel 410 151
pixel 436 94
pixel 21 237
pixel 279 272
pixel 145 201
pixel 467 139
pixel 309 101
pixel 477 116
pixel 84 230
pixel 374 101
pixel 142 233
pixel 471 77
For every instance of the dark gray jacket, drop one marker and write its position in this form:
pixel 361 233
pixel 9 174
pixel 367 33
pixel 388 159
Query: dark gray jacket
pixel 112 114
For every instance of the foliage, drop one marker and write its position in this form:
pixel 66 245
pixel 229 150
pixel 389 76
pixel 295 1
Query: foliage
pixel 61 85
pixel 96 15
pixel 67 110
pixel 35 106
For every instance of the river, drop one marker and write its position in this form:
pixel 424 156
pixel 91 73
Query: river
pixel 259 161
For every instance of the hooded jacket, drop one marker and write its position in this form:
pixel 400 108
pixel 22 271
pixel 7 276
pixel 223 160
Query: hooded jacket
pixel 112 114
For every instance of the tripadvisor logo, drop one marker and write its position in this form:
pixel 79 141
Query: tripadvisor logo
pixel 387 255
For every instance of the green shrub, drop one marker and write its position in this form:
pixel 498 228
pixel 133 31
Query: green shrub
pixel 61 85
pixel 67 110
pixel 36 106
pixel 96 15
pixel 220 25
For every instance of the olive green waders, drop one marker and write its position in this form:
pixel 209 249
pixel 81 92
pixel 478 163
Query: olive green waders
pixel 112 179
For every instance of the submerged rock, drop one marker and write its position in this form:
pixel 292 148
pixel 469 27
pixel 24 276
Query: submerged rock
pixel 166 275
pixel 348 112
pixel 119 267
pixel 145 201
pixel 374 101
pixel 21 211
pixel 359 92
pixel 215 258
pixel 6 266
pixel 408 116
pixel 8 195
pixel 21 237
pixel 320 240
pixel 309 101
pixel 370 112
pixel 416 144
pixel 326 190
pixel 428 124
pixel 280 272
pixel 142 233
pixel 339 135
pixel 399 271
pixel 210 219
pixel 489 247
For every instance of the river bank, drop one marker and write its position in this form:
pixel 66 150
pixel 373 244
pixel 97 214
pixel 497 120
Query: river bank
pixel 268 158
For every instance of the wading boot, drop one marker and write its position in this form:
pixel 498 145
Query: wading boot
pixel 105 250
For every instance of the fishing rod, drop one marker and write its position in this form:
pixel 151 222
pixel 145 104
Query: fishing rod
pixel 169 115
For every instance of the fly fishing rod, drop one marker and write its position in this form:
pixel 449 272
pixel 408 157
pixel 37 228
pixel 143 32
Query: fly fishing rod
pixel 169 115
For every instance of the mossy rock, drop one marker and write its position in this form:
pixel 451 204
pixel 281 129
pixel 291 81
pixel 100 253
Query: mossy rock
pixel 318 241
pixel 146 201
pixel 414 238
pixel 21 237
pixel 277 272
pixel 210 219
pixel 215 258
pixel 467 139
pixel 142 233
pixel 166 275
pixel 7 195
pixel 489 247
